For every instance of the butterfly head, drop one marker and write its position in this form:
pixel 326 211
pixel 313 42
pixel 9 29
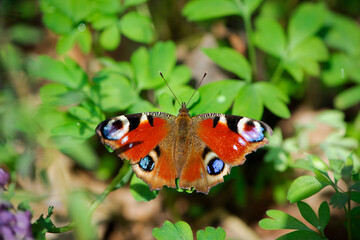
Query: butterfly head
pixel 183 110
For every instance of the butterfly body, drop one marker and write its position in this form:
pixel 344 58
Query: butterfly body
pixel 197 150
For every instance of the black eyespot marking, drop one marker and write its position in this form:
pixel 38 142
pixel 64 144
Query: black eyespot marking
pixel 151 120
pixel 157 150
pixel 215 166
pixel 232 123
pixel 147 163
pixel 215 121
pixel 205 152
pixel 134 122
pixel 250 123
pixel 118 124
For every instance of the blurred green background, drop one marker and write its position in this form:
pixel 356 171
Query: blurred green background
pixel 65 66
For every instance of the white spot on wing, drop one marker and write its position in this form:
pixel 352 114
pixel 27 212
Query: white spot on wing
pixel 143 118
pixel 130 145
pixel 124 140
pixel 222 119
pixel 235 147
pixel 241 141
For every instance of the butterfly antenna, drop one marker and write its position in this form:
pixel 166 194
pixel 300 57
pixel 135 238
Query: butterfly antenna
pixel 187 104
pixel 170 89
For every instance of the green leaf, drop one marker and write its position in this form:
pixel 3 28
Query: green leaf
pixel 81 9
pixel 58 22
pixel 110 37
pixel 137 27
pixel 281 220
pixel 114 92
pixel 248 103
pixel 140 63
pixel 308 214
pixel 250 6
pixel 178 231
pixel 25 34
pixel 304 187
pixel 84 40
pixel 305 22
pixel 162 58
pixel 295 70
pixel 78 150
pixel 59 95
pixel 312 48
pixel 42 225
pixel 100 21
pixel 324 214
pixel 217 96
pixel 181 75
pixel 207 9
pixel 211 233
pixel 348 98
pixel 110 7
pixel 129 3
pixel 344 33
pixel 273 98
pixel 270 36
pixel 66 42
pixel 339 199
pixel 301 234
pixel 355 196
pixel 140 190
pixel 88 112
pixel 68 72
pixel 337 72
pixel 230 60
pixel 74 129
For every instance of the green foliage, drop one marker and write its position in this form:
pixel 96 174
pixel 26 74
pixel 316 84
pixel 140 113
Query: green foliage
pixel 72 20
pixel 297 44
pixel 181 230
pixel 281 220
pixel 140 190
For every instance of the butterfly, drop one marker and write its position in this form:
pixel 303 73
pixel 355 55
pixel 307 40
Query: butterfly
pixel 195 151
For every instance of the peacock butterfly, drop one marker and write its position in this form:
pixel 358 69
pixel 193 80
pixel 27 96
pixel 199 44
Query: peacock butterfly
pixel 198 151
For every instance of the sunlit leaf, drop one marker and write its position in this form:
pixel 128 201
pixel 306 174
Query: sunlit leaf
pixel 211 233
pixel 137 27
pixel 230 60
pixel 217 96
pixel 304 187
pixel 281 220
pixel 306 21
pixel 270 36
pixel 178 231
pixel 140 190
pixel 248 103
pixel 207 9
pixel 110 37
pixel 348 98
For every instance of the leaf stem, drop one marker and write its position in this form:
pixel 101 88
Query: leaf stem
pixel 250 42
pixel 120 180
pixel 278 72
